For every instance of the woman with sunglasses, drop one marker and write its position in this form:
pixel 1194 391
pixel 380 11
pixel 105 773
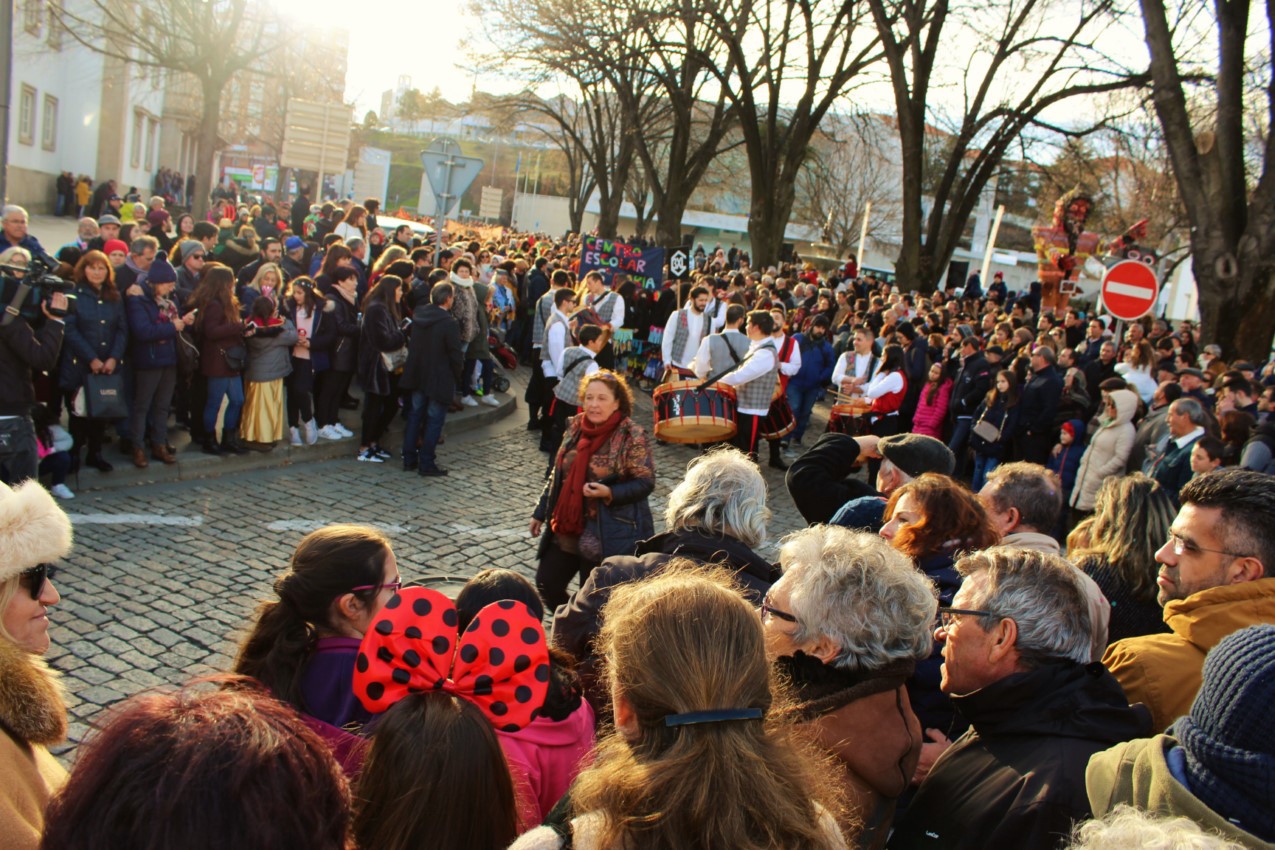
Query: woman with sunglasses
pixel 304 642
pixel 33 533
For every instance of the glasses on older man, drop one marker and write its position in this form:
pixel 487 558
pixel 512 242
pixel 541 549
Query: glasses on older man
pixel 33 579
pixel 949 617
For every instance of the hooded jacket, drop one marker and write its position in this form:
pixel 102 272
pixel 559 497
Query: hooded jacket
pixel 544 759
pixel 435 355
pixel 1137 773
pixel 1165 671
pixel 1108 451
pixel 1016 779
pixel 32 717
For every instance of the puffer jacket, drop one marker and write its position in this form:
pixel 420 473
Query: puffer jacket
pixel 930 416
pixel 270 352
pixel 1108 451
pixel 153 336
pixel 97 329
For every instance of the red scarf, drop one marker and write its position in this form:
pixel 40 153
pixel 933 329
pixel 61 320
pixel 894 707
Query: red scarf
pixel 568 515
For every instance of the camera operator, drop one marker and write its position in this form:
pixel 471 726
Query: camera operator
pixel 23 350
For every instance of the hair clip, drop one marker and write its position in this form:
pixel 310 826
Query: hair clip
pixel 718 715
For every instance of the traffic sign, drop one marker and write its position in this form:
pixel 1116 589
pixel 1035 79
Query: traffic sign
pixel 1129 290
pixel 449 173
pixel 679 263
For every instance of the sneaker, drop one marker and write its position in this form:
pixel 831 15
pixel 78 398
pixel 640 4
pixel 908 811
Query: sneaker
pixel 311 433
pixel 342 430
pixel 294 436
pixel 490 401
pixel 468 401
pixel 370 456
pixel 62 491
pixel 327 432
pixel 382 453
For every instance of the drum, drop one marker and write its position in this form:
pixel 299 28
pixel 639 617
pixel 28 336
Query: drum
pixel 779 421
pixel 686 414
pixel 849 417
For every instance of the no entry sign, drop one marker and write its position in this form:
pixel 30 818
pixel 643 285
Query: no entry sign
pixel 1129 290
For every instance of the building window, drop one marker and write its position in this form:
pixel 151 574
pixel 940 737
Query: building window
pixel 139 127
pixel 49 127
pixel 56 29
pixel 32 16
pixel 152 130
pixel 26 115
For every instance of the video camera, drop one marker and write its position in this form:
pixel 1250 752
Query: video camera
pixel 26 283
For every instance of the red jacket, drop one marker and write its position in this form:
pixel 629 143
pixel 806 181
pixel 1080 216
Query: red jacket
pixel 929 418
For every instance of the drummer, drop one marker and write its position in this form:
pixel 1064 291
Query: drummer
pixel 754 381
pixel 557 340
pixel 609 306
pixel 683 331
pixel 578 362
pixel 855 368
pixel 789 365
pixel 719 352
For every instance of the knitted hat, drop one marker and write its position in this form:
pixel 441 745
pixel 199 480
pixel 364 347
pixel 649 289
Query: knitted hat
pixel 1070 429
pixel 917 454
pixel 113 245
pixel 1230 753
pixel 161 271
pixel 33 529
pixel 190 246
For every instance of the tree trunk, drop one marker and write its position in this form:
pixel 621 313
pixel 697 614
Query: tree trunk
pixel 908 266
pixel 669 210
pixel 767 221
pixel 1237 312
pixel 206 147
pixel 609 212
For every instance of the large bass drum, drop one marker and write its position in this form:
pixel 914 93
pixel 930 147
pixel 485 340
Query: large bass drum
pixel 684 413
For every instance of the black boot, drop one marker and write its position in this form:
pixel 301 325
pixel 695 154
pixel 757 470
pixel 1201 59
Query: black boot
pixel 231 444
pixel 776 462
pixel 210 446
pixel 99 463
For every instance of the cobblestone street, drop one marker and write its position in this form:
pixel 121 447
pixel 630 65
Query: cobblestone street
pixel 164 577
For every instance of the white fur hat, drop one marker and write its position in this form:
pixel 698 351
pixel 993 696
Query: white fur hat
pixel 33 529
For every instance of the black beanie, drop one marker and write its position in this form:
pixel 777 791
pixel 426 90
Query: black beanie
pixel 161 271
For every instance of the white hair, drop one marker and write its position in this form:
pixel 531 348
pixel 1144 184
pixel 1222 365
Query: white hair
pixel 857 590
pixel 10 209
pixel 1127 828
pixel 722 494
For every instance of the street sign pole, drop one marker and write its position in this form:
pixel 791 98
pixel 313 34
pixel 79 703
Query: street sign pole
pixel 441 161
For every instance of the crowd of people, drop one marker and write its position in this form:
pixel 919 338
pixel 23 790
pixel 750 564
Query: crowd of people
pixel 1044 618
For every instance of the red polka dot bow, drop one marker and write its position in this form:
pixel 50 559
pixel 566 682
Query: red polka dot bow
pixel 502 664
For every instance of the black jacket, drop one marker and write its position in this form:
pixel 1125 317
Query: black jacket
pixel 23 351
pixel 345 321
pixel 1039 402
pixel 1016 779
pixel 973 379
pixel 819 481
pixel 380 333
pixel 435 355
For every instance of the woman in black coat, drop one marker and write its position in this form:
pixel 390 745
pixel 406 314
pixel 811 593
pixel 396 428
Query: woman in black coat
pixel 311 315
pixel 343 360
pixel 381 333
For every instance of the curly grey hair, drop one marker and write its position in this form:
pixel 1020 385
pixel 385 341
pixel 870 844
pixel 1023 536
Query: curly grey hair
pixel 860 592
pixel 1040 593
pixel 722 494
pixel 1126 827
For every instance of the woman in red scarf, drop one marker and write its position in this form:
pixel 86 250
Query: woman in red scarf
pixel 595 501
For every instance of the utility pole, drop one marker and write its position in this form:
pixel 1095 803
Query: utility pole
pixel 6 88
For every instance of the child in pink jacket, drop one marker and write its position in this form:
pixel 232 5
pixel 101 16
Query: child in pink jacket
pixel 931 408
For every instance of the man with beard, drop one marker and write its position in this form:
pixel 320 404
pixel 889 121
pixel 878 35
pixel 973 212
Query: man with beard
pixel 806 387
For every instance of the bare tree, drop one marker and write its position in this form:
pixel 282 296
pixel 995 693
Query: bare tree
pixel 210 40
pixel 1218 138
pixel 1023 58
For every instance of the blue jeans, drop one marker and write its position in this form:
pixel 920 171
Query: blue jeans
pixel 960 436
pixel 802 402
pixel 427 415
pixel 983 466
pixel 232 389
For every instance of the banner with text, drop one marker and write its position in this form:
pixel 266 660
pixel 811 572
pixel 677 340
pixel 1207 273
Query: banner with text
pixel 644 266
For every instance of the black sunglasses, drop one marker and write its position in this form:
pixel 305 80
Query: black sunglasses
pixel 33 579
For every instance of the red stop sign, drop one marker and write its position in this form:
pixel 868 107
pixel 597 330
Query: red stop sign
pixel 1129 290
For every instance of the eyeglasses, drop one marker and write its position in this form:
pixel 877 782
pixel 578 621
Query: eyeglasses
pixel 33 579
pixel 949 617
pixel 396 586
pixel 1182 546
pixel 768 610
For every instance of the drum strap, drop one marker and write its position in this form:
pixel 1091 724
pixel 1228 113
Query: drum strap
pixel 712 379
pixel 573 366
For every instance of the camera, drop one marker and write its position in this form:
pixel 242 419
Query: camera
pixel 27 282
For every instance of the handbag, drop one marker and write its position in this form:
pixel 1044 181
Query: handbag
pixel 236 357
pixel 395 360
pixel 187 353
pixel 986 431
pixel 104 396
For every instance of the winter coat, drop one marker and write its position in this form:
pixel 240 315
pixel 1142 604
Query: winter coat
pixel 96 330
pixel 1066 461
pixel 820 481
pixel 345 324
pixel 24 350
pixel 1108 452
pixel 1016 779
pixel 1165 671
pixel 973 378
pixel 465 309
pixel 217 332
pixel 380 333
pixel 1153 428
pixel 1259 451
pixel 817 360
pixel 1140 379
pixel 152 336
pixel 435 355
pixel 544 759
pixel 1172 468
pixel 1039 402
pixel 322 334
pixel 32 718
pixel 1002 416
pixel 865 721
pixel 930 415
pixel 270 353
pixel 1137 773
pixel 932 706
pixel 478 348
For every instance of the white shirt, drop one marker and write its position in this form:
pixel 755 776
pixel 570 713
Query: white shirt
pixel 850 365
pixel 883 384
pixel 695 332
pixel 347 232
pixel 757 364
pixel 1188 438
pixel 616 319
pixel 556 340
pixel 792 366
pixel 719 318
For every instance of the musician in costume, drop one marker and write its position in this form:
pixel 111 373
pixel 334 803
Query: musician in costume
pixel 539 396
pixel 609 307
pixel 720 351
pixel 754 381
pixel 780 418
pixel 578 361
pixel 886 391
pixel 683 331
pixel 855 368
pixel 557 340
